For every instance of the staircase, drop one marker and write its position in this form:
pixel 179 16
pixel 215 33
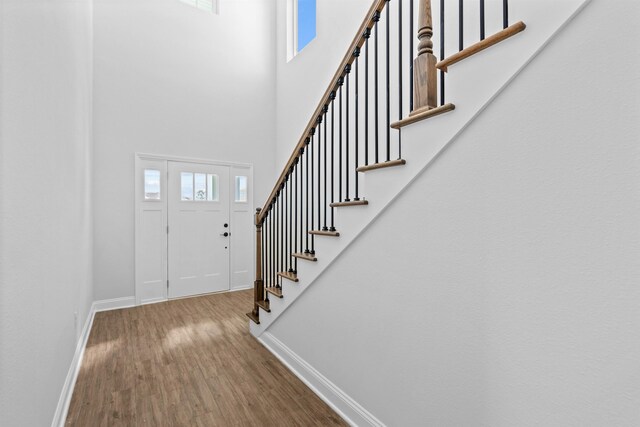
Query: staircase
pixel 382 120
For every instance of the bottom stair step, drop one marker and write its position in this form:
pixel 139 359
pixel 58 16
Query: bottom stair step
pixel 275 291
pixel 253 317
pixel 288 275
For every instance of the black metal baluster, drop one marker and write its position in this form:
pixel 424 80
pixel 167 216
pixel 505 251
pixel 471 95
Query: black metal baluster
pixel 290 184
pixel 302 228
pixel 340 83
pixel 306 197
pixel 367 34
pixel 356 54
pixel 267 276
pixel 460 25
pixel 441 51
pixel 278 240
pixel 505 13
pixel 282 240
pixel 347 71
pixel 324 224
pixel 332 96
pixel 296 172
pixel 388 81
pixel 399 76
pixel 319 149
pixel 311 150
pixel 376 18
pixel 273 245
pixel 481 19
pixel 284 267
pixel 411 55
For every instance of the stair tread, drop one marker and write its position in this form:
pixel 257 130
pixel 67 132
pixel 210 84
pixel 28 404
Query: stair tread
pixel 288 275
pixel 264 305
pixel 361 202
pixel 422 114
pixel 325 233
pixel 308 257
pixel 390 163
pixel 275 291
pixel 253 317
pixel 496 38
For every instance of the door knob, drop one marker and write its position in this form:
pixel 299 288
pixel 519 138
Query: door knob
pixel 225 234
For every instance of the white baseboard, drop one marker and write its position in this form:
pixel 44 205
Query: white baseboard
pixel 62 409
pixel 113 304
pixel 69 383
pixel 350 410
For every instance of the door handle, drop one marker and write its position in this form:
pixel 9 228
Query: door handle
pixel 225 234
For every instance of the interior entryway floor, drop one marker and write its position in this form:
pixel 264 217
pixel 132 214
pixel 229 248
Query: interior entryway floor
pixel 188 362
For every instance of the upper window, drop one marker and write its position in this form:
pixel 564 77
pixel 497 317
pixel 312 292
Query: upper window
pixel 199 187
pixel 241 189
pixel 151 184
pixel 306 22
pixel 301 25
pixel 206 5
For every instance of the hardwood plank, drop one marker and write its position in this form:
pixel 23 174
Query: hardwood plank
pixel 187 362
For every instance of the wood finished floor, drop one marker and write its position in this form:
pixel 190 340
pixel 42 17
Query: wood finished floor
pixel 189 362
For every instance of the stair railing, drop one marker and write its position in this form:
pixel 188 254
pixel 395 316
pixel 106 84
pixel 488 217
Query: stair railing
pixel 350 131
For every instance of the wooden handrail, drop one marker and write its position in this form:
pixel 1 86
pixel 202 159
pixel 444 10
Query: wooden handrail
pixel 358 41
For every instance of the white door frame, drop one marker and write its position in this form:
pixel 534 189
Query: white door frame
pixel 141 158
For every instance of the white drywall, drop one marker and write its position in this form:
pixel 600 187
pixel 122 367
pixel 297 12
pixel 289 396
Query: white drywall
pixel 511 296
pixel 302 81
pixel 174 80
pixel 45 209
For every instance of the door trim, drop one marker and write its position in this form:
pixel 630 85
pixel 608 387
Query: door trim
pixel 139 158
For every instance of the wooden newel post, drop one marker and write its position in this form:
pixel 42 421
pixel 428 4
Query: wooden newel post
pixel 425 84
pixel 258 292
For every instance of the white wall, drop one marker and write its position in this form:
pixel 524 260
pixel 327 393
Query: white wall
pixel 511 297
pixel 302 81
pixel 45 209
pixel 171 79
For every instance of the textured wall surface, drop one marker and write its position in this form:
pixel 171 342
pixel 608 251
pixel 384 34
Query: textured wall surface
pixel 45 208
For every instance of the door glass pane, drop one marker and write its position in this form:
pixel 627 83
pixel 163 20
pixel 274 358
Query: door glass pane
pixel 200 186
pixel 151 184
pixel 186 185
pixel 241 189
pixel 212 188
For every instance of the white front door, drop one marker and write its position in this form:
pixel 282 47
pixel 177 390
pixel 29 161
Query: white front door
pixel 198 219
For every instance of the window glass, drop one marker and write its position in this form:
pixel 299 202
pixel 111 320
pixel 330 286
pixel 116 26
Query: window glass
pixel 212 188
pixel 241 189
pixel 186 185
pixel 306 22
pixel 200 186
pixel 151 184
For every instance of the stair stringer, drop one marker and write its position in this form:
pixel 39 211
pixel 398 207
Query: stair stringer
pixel 424 141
